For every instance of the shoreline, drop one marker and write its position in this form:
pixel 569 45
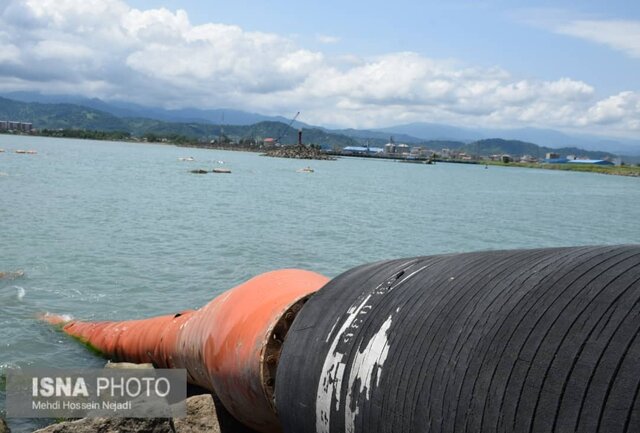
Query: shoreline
pixel 625 170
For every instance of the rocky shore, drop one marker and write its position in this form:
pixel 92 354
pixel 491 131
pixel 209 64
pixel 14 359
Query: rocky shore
pixel 201 417
pixel 204 414
pixel 299 151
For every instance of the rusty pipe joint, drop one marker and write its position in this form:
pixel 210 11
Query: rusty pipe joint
pixel 231 346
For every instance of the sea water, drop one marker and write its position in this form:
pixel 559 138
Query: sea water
pixel 110 230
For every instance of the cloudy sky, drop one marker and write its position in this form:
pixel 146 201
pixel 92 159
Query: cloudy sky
pixel 568 65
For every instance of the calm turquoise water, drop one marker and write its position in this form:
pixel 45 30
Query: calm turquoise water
pixel 118 230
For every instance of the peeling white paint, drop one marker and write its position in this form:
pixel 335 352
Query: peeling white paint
pixel 367 361
pixel 332 373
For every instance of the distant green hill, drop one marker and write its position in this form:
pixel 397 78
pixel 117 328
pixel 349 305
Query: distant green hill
pixel 54 116
pixel 77 117
pixel 498 146
pixel 70 116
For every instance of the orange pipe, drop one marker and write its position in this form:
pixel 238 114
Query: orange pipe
pixel 230 346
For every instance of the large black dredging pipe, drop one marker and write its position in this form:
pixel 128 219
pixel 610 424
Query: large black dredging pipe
pixel 541 340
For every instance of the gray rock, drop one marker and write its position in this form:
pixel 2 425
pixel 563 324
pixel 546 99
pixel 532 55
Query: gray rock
pixel 204 414
pixel 300 151
pixel 111 425
pixel 4 428
pixel 201 416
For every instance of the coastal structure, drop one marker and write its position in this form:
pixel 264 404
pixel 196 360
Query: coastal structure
pixel 397 149
pixel 583 161
pixel 590 161
pixel 362 150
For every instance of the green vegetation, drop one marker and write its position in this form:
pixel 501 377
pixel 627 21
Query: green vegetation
pixel 623 170
pixel 60 116
pixel 91 135
pixel 498 146
pixel 74 121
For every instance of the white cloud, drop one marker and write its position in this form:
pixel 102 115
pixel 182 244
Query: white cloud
pixel 623 108
pixel 621 35
pixel 409 87
pixel 61 51
pixel 9 52
pixel 326 39
pixel 106 49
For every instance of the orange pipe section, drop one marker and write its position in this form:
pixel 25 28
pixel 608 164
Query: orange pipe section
pixel 230 346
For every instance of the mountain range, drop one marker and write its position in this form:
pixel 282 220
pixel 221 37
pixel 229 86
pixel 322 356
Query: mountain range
pixel 128 109
pixel 544 137
pixel 60 111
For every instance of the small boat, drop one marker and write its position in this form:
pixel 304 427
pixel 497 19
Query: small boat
pixel 305 170
pixel 27 152
pixel 1 150
pixel 416 161
pixel 199 171
pixel 221 170
pixel 188 158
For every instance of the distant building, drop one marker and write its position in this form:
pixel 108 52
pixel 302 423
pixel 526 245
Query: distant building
pixel 528 159
pixel 390 147
pixel 420 151
pixel 403 148
pixel 362 150
pixel 562 160
pixel 558 160
pixel 10 125
pixel 552 155
pixel 590 162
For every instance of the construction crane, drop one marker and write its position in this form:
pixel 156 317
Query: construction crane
pixel 283 131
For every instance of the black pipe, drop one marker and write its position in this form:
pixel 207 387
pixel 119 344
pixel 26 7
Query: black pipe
pixel 527 341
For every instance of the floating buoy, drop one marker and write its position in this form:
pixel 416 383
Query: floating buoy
pixel 537 340
pixel 11 275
